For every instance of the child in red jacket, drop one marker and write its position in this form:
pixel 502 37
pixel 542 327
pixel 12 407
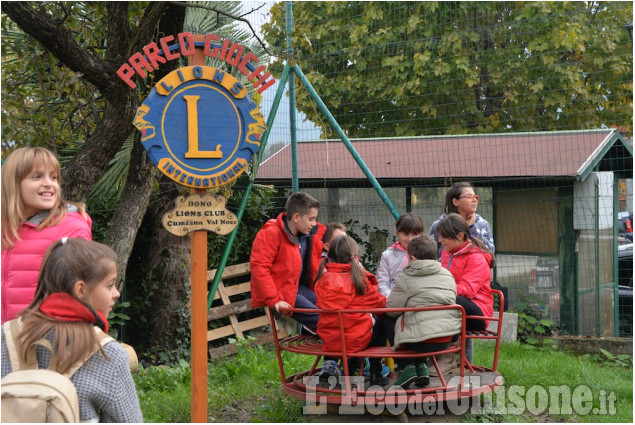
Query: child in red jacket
pixel 342 284
pixel 285 257
pixel 470 262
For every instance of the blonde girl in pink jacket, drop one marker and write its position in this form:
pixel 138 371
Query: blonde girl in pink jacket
pixel 34 215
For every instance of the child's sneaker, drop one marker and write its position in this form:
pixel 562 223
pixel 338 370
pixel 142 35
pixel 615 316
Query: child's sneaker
pixel 385 371
pixel 406 377
pixel 329 368
pixel 423 375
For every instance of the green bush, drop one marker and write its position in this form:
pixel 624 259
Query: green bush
pixel 531 324
pixel 370 257
pixel 260 207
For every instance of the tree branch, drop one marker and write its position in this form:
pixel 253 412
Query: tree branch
pixel 59 41
pixel 117 33
pixel 148 25
pixel 229 15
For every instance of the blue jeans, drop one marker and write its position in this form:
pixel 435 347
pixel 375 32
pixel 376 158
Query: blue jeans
pixel 306 299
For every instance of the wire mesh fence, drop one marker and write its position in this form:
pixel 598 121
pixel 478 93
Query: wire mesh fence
pixel 529 101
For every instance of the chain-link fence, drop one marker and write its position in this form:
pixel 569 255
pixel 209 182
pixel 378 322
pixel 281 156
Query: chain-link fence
pixel 529 101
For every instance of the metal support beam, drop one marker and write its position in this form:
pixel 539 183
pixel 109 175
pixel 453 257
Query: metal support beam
pixel 346 141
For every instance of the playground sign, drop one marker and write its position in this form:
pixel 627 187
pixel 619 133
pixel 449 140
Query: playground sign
pixel 199 126
pixel 201 129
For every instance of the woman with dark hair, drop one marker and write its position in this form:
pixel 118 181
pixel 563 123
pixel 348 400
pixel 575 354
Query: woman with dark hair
pixel 461 199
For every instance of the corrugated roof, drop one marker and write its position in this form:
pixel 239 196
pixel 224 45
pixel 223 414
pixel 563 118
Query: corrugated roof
pixel 544 154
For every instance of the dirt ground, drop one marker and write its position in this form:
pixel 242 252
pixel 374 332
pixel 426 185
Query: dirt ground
pixel 237 412
pixel 244 412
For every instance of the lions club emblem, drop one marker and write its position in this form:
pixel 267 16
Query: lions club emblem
pixel 199 126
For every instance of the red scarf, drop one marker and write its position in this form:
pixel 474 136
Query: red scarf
pixel 62 306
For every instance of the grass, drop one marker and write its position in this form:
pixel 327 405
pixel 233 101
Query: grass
pixel 242 388
pixel 246 387
pixel 525 366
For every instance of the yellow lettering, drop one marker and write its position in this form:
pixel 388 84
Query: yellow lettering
pixel 176 173
pixel 192 132
pixel 257 128
pixel 190 73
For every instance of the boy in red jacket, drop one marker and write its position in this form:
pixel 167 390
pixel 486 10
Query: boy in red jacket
pixel 285 256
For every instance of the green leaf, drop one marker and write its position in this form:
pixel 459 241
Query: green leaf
pixel 532 341
pixel 538 86
pixel 607 354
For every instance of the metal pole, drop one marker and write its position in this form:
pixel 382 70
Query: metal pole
pixel 616 279
pixel 597 256
pixel 245 198
pixel 346 141
pixel 292 111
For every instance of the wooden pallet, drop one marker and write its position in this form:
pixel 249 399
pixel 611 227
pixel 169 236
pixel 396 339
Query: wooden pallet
pixel 230 309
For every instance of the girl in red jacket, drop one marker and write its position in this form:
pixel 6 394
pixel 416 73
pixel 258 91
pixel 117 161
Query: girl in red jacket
pixel 34 215
pixel 343 284
pixel 470 262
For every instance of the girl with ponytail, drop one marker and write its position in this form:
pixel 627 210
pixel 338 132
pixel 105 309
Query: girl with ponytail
pixel 76 290
pixel 343 284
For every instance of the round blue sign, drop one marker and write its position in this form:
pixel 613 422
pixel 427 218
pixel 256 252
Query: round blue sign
pixel 199 126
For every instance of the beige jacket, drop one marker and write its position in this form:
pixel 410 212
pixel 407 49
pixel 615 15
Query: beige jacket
pixel 424 283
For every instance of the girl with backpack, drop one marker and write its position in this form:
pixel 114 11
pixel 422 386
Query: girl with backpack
pixel 67 321
pixel 34 215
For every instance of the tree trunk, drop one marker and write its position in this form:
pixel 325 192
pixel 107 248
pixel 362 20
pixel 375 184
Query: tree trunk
pixel 132 207
pixel 86 168
pixel 163 256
